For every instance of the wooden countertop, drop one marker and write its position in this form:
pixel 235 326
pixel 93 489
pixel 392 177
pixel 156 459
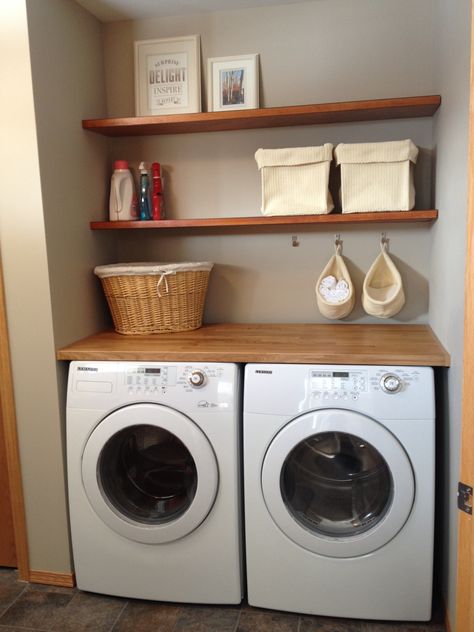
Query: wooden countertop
pixel 412 345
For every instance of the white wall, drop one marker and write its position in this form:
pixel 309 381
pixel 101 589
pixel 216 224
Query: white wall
pixel 452 57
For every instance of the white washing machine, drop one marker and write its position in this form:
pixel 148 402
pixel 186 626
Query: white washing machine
pixel 153 472
pixel 339 489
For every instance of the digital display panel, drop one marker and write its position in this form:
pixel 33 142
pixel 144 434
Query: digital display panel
pixel 338 381
pixel 152 371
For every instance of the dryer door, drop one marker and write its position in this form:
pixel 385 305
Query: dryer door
pixel 337 483
pixel 150 473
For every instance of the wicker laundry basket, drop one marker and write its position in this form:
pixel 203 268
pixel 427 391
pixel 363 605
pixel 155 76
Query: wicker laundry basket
pixel 153 298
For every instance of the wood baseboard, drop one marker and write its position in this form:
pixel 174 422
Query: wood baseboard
pixel 447 622
pixel 52 579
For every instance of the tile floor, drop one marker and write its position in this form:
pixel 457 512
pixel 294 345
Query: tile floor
pixel 33 607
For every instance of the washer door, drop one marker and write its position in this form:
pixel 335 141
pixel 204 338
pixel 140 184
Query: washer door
pixel 337 483
pixel 150 473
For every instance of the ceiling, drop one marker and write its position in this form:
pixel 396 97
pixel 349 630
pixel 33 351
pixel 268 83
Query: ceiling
pixel 112 10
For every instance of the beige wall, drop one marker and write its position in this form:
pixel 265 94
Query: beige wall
pixel 24 256
pixel 52 180
pixel 309 52
pixel 67 40
pixel 325 51
pixel 447 262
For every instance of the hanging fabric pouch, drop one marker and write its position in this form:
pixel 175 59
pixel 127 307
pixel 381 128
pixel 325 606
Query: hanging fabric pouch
pixel 382 292
pixel 335 294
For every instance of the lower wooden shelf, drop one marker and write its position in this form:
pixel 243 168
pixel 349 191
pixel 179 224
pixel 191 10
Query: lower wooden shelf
pixel 263 221
pixel 383 344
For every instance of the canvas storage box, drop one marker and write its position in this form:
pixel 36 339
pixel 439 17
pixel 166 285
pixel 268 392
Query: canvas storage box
pixel 151 298
pixel 377 176
pixel 295 180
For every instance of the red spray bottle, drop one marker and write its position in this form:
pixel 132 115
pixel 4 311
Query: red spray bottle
pixel 157 206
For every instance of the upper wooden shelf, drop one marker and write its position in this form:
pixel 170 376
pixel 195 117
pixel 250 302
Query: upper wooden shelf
pixel 317 114
pixel 264 222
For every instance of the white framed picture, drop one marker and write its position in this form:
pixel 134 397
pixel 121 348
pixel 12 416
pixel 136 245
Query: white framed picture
pixel 167 76
pixel 232 83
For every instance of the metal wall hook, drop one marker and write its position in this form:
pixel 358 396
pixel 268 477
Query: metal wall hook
pixel 338 243
pixel 384 242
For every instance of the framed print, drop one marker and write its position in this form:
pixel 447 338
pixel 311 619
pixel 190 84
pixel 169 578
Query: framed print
pixel 167 76
pixel 233 83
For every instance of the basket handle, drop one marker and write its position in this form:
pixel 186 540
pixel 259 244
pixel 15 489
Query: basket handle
pixel 160 281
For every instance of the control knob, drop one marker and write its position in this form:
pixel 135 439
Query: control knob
pixel 197 378
pixel 391 383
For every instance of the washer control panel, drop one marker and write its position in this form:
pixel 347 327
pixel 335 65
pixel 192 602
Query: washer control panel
pixel 198 385
pixel 143 379
pixel 334 385
pixel 149 379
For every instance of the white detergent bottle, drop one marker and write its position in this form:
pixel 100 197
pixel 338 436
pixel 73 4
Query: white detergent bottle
pixel 123 198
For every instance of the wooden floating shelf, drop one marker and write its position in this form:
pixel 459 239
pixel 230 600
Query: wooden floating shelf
pixel 413 345
pixel 267 221
pixel 317 114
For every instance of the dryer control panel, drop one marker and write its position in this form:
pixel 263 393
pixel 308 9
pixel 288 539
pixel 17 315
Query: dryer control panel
pixel 390 392
pixel 349 384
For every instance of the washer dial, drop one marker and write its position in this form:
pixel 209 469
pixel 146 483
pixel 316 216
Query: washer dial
pixel 197 378
pixel 391 383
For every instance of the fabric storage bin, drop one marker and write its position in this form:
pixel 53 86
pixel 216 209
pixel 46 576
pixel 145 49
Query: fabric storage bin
pixel 382 291
pixel 150 298
pixel 295 180
pixel 334 274
pixel 377 176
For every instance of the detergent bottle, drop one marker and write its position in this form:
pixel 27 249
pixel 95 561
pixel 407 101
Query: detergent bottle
pixel 123 199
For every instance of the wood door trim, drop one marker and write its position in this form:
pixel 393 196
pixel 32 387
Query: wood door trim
pixel 464 603
pixel 7 403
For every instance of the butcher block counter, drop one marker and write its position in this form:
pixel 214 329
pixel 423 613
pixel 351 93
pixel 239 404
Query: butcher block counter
pixel 411 345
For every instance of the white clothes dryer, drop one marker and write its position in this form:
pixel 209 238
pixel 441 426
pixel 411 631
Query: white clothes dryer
pixel 339 489
pixel 153 474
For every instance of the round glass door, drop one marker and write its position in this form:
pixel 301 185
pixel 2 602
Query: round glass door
pixel 150 473
pixel 337 483
pixel 147 474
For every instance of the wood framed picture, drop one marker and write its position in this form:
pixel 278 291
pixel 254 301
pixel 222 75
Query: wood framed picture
pixel 232 83
pixel 167 76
